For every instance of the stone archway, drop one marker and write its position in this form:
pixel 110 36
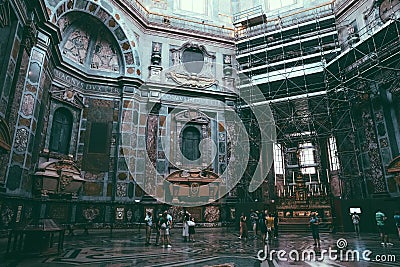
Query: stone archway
pixel 110 18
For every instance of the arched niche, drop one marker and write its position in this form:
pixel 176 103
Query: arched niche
pixel 89 44
pixel 111 17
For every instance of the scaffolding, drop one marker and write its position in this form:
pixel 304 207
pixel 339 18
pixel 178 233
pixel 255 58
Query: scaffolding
pixel 313 84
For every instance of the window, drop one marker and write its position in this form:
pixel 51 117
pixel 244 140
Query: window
pixel 61 131
pixel 307 158
pixel 98 138
pixel 278 159
pixel 276 4
pixel 190 143
pixel 195 6
pixel 333 154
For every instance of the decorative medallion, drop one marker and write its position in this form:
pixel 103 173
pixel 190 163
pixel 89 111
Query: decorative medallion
pixel 192 66
pixel 69 95
pixel 90 213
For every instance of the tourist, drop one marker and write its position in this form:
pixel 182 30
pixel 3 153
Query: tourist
pixel 314 225
pixel 276 224
pixel 185 226
pixel 164 225
pixel 263 224
pixel 169 218
pixel 243 226
pixel 158 229
pixel 270 222
pixel 149 223
pixel 381 218
pixel 356 221
pixel 254 219
pixel 192 231
pixel 397 222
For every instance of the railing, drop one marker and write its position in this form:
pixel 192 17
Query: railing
pixel 175 22
pixel 285 20
pixel 247 13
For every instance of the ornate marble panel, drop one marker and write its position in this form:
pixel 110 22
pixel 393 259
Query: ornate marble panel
pixel 121 189
pixel 76 46
pixel 21 140
pixel 211 214
pixel 105 55
pixel 28 105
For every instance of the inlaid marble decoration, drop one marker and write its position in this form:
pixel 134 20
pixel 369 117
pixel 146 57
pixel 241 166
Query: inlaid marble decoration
pixel 76 46
pixel 105 55
pixel 374 174
pixel 121 189
pixel 64 22
pixel 212 214
pixel 21 140
pixel 90 213
pixel 7 216
pixel 28 105
pixel 129 215
pixel 119 213
pixel 152 128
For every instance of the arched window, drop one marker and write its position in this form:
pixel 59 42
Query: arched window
pixel 61 131
pixel 190 143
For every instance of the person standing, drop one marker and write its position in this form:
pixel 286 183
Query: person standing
pixel 263 224
pixel 314 225
pixel 192 231
pixel 356 221
pixel 254 219
pixel 158 230
pixel 149 223
pixel 243 226
pixel 185 226
pixel 270 222
pixel 164 231
pixel 276 224
pixel 397 222
pixel 381 218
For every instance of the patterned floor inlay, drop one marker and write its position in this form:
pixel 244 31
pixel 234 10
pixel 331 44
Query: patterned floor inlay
pixel 212 248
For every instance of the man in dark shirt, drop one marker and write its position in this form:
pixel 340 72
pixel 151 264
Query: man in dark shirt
pixel 314 225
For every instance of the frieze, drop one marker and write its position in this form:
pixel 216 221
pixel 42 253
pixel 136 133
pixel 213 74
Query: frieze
pixel 87 87
pixel 200 101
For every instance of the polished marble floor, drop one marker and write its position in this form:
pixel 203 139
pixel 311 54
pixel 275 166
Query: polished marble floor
pixel 213 247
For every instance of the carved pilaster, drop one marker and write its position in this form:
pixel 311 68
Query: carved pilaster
pixel 30 36
pixel 5 13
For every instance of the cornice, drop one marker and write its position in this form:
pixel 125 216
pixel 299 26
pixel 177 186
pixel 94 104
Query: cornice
pixel 149 26
pixel 97 79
